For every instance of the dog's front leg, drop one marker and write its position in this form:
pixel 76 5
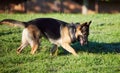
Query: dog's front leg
pixel 54 50
pixel 67 47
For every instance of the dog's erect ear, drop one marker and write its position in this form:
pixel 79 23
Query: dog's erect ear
pixel 86 24
pixel 89 23
pixel 83 24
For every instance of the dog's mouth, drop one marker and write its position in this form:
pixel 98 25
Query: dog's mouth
pixel 82 41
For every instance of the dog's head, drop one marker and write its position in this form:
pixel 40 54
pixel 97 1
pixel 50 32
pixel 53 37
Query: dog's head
pixel 82 32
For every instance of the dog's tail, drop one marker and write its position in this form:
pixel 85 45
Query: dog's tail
pixel 14 23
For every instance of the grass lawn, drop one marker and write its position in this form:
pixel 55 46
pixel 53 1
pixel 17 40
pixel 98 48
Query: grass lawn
pixel 101 55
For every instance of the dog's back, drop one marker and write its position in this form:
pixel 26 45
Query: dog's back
pixel 48 26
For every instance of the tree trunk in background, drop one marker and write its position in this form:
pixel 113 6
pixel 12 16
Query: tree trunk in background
pixel 25 6
pixel 85 7
pixel 96 6
pixel 61 6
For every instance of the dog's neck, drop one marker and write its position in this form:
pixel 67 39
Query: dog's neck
pixel 72 31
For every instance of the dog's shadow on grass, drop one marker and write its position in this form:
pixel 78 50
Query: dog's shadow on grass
pixel 94 47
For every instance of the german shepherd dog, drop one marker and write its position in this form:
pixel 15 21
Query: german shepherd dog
pixel 58 32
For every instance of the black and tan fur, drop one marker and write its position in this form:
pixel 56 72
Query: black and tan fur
pixel 58 32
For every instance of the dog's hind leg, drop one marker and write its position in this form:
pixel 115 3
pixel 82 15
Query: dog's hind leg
pixel 34 43
pixel 54 50
pixel 22 46
pixel 24 42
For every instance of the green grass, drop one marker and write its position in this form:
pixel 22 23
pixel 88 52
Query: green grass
pixel 102 55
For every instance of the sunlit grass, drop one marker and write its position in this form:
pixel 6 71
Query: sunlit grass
pixel 101 55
